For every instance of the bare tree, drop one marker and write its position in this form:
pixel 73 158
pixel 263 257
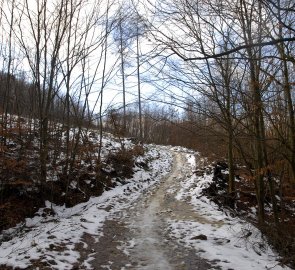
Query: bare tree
pixel 224 47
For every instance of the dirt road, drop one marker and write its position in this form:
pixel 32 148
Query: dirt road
pixel 138 237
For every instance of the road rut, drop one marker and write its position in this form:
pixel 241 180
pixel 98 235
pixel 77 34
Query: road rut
pixel 138 237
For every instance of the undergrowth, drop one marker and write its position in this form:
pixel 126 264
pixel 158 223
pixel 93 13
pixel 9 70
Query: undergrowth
pixel 242 202
pixel 22 192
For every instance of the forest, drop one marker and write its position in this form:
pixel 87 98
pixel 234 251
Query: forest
pixel 216 77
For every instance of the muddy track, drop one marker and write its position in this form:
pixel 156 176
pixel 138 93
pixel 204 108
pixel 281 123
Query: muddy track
pixel 138 237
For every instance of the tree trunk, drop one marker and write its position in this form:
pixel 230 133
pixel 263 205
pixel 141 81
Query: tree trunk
pixel 138 85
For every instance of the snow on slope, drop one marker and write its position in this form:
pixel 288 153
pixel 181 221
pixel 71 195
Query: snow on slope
pixel 231 243
pixel 52 238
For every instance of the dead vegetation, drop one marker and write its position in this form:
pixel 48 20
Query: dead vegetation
pixel 22 192
pixel 243 203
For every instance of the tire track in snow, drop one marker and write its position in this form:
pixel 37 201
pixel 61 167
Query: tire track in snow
pixel 139 237
pixel 153 249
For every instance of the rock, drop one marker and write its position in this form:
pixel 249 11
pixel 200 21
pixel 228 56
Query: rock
pixel 199 172
pixel 47 212
pixel 141 164
pixel 221 241
pixel 200 237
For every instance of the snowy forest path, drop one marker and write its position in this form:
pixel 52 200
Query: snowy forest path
pixel 139 238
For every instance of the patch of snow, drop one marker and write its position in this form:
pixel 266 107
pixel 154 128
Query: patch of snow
pixel 191 159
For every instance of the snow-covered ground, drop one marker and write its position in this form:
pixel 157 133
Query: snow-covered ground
pixel 223 240
pixel 230 242
pixel 53 238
